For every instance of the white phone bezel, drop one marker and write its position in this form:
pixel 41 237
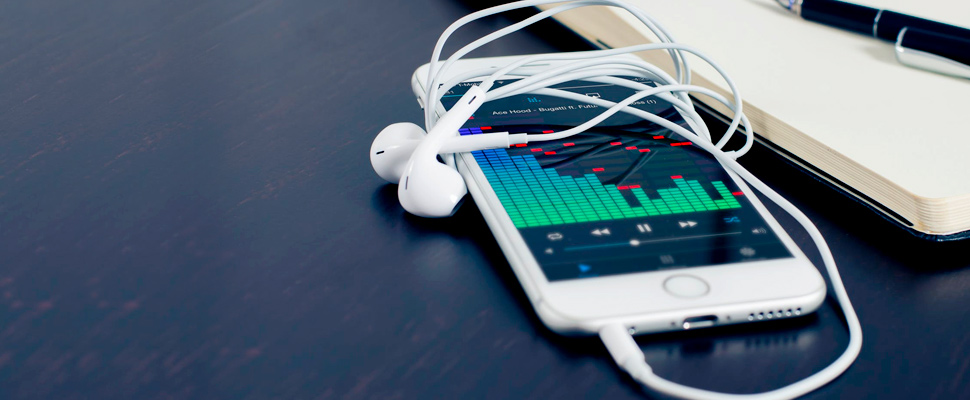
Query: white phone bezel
pixel 739 292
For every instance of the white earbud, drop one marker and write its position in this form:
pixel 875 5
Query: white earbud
pixel 395 144
pixel 392 148
pixel 427 187
pixel 430 188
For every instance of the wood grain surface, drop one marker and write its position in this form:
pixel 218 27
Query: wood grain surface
pixel 187 211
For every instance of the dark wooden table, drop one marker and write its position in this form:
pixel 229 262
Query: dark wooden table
pixel 187 211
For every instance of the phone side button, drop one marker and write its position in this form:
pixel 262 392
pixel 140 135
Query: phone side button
pixel 688 286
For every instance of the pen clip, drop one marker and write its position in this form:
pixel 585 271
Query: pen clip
pixel 934 52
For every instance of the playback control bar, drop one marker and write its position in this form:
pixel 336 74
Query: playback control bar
pixel 647 244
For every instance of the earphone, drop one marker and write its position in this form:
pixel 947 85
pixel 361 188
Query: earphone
pixel 403 154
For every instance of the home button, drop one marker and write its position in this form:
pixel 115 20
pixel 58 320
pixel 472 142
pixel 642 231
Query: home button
pixel 688 286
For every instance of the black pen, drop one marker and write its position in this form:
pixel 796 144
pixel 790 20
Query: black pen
pixel 920 43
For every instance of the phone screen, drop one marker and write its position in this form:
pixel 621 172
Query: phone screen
pixel 626 196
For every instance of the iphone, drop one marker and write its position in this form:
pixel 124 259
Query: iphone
pixel 628 222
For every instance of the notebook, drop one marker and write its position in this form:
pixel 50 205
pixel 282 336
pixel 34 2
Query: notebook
pixel 835 102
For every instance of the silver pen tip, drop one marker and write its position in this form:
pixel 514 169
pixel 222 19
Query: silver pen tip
pixel 786 3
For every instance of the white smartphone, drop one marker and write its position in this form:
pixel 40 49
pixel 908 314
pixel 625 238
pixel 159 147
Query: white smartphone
pixel 628 223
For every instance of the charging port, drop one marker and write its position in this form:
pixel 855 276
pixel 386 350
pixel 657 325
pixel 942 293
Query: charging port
pixel 700 322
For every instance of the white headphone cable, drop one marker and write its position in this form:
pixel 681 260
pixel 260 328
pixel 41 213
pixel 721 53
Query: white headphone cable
pixel 435 71
pixel 486 85
pixel 627 354
pixel 599 75
pixel 616 337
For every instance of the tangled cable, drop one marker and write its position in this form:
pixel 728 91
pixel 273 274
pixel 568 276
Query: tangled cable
pixel 604 66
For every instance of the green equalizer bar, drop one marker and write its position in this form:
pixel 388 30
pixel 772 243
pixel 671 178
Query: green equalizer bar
pixel 535 196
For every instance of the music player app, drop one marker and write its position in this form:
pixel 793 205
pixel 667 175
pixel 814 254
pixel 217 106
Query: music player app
pixel 626 196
